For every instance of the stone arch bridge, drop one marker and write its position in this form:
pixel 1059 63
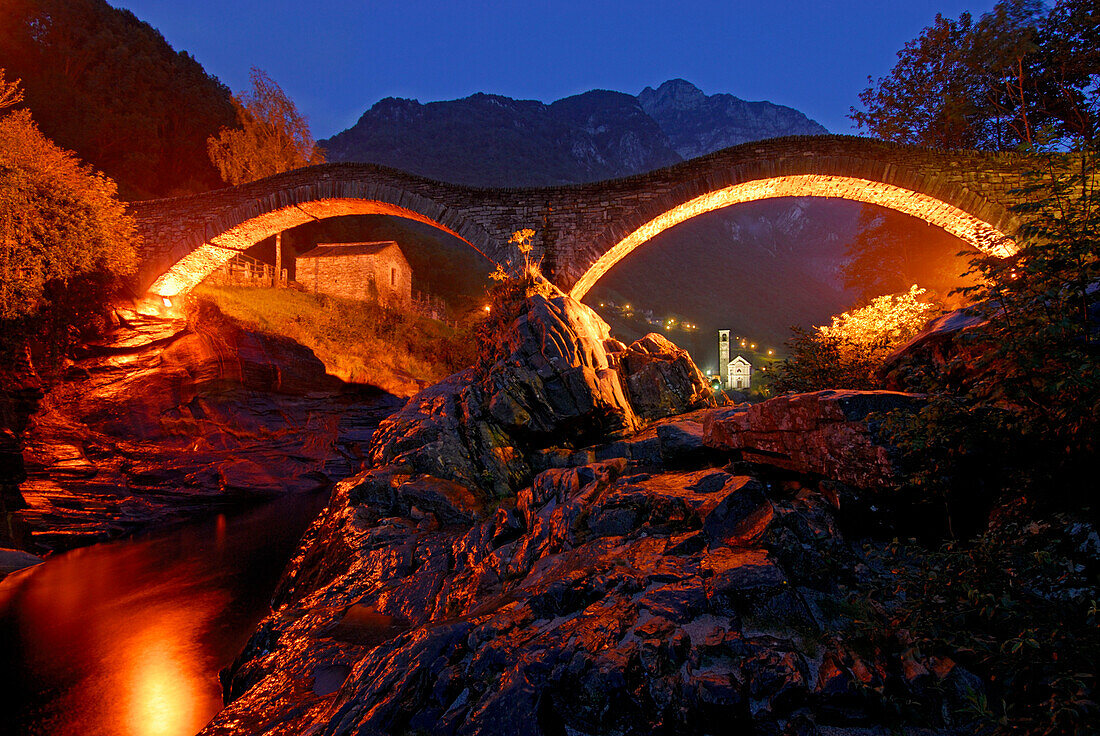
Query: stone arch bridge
pixel 583 230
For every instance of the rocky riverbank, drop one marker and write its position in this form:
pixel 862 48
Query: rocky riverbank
pixel 543 544
pixel 166 419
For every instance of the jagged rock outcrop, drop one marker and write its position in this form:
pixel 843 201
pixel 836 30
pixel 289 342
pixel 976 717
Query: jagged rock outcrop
pixel 607 600
pixel 20 392
pixel 621 595
pixel 549 375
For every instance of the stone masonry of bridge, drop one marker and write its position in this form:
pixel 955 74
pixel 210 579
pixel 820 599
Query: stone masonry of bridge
pixel 583 229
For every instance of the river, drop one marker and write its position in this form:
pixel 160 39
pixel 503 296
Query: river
pixel 127 638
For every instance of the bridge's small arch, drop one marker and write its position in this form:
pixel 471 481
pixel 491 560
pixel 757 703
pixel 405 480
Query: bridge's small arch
pixel 191 269
pixel 933 210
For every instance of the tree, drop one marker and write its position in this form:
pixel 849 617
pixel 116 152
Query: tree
pixel 848 352
pixel 1010 433
pixel 272 137
pixel 10 94
pixel 1008 438
pixel 890 251
pixel 1021 75
pixel 108 87
pixel 64 236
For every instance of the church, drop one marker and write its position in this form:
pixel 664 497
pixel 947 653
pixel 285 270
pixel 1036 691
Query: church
pixel 736 373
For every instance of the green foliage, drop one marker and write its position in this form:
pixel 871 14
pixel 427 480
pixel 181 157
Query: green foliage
pixel 1021 74
pixel 356 341
pixel 10 94
pixel 64 238
pixel 1011 431
pixel 104 84
pixel 1018 607
pixel 1028 379
pixel 271 137
pixel 1007 442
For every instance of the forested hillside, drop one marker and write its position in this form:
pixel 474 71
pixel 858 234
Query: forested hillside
pixel 108 86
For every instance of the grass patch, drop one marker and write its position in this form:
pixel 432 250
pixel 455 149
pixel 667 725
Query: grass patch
pixel 357 342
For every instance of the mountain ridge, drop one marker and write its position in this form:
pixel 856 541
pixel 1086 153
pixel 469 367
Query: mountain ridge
pixel 493 140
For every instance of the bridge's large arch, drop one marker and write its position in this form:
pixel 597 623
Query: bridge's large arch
pixel 931 209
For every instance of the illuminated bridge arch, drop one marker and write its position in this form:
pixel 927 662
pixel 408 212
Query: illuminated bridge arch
pixel 185 239
pixel 583 230
pixel 931 209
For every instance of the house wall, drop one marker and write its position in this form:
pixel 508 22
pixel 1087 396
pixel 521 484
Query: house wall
pixel 385 278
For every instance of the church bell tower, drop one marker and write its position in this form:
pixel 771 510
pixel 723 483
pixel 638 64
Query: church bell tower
pixel 724 356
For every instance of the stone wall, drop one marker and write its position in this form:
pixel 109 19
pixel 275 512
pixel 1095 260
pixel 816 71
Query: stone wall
pixel 381 276
pixel 576 225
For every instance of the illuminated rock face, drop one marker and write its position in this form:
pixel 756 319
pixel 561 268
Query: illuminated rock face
pixel 549 374
pixel 583 230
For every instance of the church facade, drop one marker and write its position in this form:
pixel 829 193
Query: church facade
pixel 736 373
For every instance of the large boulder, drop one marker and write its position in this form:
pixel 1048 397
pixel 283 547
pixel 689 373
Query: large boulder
pixel 943 344
pixel 831 434
pixel 661 379
pixel 549 374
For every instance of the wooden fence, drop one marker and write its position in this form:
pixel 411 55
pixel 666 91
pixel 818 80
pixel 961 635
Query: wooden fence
pixel 242 270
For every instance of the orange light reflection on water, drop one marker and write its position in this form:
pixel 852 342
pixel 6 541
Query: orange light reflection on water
pixel 140 653
pixel 163 695
pixel 126 638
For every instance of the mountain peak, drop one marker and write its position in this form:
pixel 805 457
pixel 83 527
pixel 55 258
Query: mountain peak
pixel 697 123
pixel 676 93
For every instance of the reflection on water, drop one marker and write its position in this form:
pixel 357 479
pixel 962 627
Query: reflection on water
pixel 127 638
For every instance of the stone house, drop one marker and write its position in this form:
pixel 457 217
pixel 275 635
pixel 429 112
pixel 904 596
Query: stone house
pixel 369 272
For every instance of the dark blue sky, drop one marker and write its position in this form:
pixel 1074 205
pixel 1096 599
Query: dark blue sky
pixel 337 58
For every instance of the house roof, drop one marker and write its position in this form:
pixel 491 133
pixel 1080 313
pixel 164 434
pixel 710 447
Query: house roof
pixel 330 250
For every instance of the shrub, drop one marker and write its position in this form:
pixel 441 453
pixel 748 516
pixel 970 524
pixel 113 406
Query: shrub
pixel 848 352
